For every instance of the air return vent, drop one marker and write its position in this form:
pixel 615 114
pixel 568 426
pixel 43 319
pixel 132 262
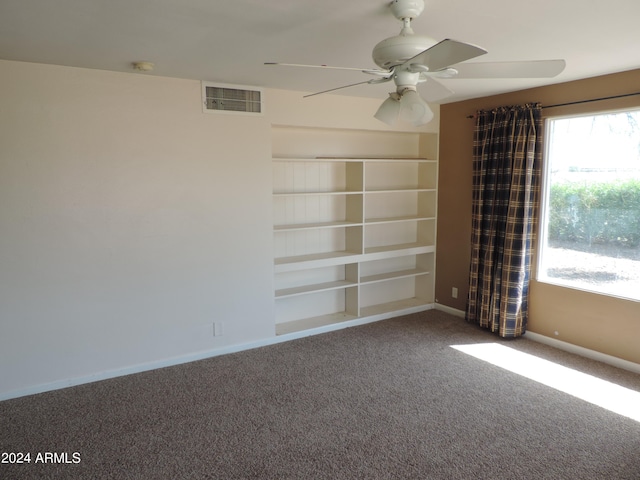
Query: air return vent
pixel 231 99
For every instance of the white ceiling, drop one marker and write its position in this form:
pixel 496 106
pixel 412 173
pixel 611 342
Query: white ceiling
pixel 228 41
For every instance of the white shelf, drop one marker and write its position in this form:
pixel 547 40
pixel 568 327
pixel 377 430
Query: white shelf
pixel 353 159
pixel 397 219
pixel 316 159
pixel 398 250
pixel 317 193
pixel 398 160
pixel 319 287
pixel 303 262
pixel 304 226
pixel 399 190
pixel 381 277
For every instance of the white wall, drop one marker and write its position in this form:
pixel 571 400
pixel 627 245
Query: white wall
pixel 131 221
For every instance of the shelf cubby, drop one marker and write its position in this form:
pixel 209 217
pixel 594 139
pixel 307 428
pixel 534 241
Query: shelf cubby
pixel 392 235
pixel 292 245
pixel 400 175
pixel 396 279
pixel 301 282
pixel 389 205
pixel 317 308
pixel 313 322
pixel 295 212
pixel 402 307
pixel 304 176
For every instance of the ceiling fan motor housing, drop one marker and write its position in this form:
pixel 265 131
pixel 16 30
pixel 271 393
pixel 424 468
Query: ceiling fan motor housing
pixel 396 50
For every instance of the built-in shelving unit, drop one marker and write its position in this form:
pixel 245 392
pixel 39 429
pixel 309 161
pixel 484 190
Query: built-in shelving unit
pixel 353 238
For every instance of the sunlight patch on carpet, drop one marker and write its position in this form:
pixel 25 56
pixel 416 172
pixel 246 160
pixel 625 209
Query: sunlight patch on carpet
pixel 594 390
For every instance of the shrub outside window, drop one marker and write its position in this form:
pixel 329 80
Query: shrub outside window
pixel 590 219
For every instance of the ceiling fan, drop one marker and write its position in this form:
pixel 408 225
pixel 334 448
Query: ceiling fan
pixel 409 59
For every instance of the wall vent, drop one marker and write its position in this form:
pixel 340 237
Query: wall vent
pixel 232 99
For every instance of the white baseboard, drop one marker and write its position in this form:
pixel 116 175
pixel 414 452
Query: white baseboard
pixel 560 345
pixel 450 310
pixel 144 367
pixel 584 352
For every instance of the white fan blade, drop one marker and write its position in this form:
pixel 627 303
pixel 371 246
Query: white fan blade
pixel 371 71
pixel 343 86
pixel 443 54
pixel 433 91
pixel 527 69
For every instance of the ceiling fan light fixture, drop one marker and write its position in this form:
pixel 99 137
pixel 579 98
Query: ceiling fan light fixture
pixel 414 109
pixel 389 110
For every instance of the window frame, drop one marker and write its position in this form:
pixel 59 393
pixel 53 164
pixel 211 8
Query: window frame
pixel 545 186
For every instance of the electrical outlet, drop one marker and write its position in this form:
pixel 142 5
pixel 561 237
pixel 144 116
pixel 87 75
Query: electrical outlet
pixel 217 329
pixel 454 292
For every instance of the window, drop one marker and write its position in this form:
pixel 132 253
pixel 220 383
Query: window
pixel 590 235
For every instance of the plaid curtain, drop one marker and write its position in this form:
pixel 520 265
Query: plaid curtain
pixel 507 156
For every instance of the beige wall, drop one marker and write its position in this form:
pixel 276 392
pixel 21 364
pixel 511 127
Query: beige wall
pixel 130 221
pixel 604 324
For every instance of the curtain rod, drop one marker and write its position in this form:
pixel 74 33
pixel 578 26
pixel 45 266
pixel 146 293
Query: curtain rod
pixel 577 102
pixel 592 100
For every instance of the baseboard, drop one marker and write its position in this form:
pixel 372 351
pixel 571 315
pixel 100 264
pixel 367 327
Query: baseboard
pixel 139 368
pixel 584 352
pixel 560 345
pixel 450 310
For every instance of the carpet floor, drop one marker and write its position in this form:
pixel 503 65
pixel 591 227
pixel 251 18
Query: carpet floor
pixel 387 400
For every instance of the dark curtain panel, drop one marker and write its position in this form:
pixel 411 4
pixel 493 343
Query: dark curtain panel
pixel 507 156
